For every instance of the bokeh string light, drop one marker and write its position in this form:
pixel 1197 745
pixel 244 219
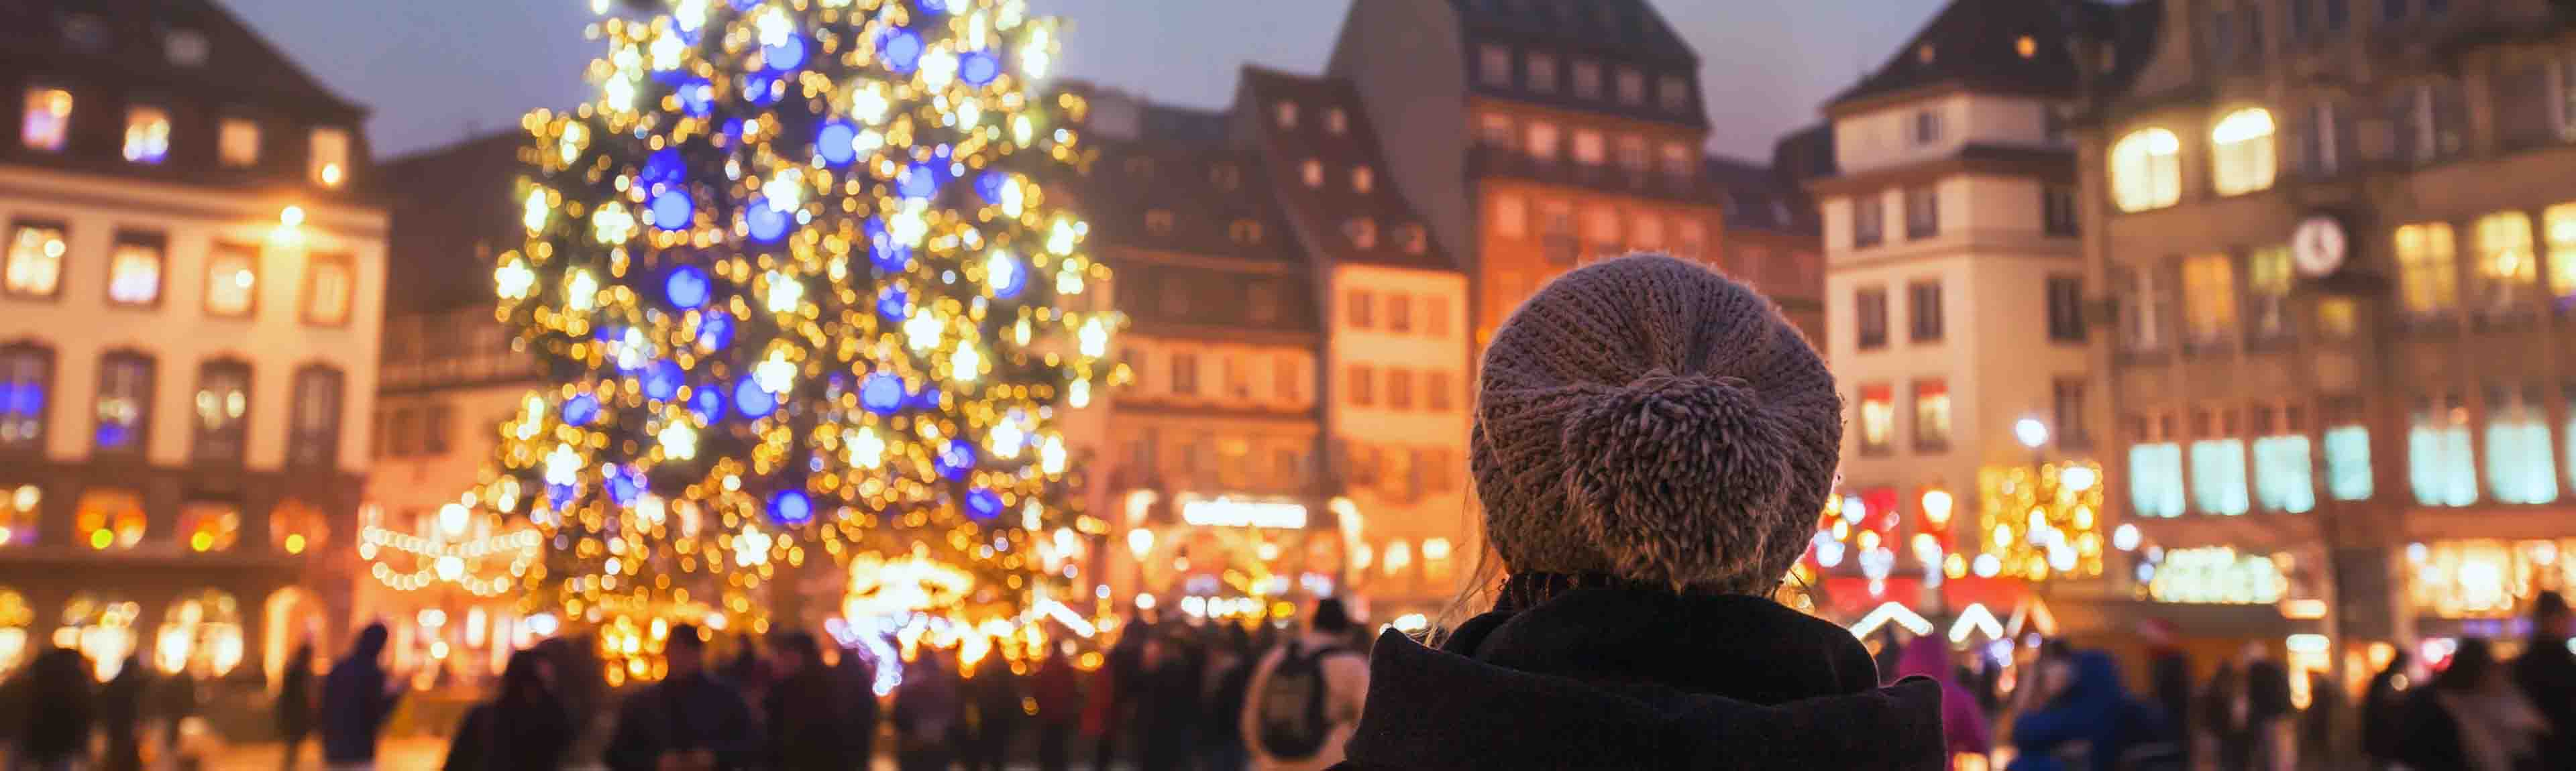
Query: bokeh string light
pixel 800 294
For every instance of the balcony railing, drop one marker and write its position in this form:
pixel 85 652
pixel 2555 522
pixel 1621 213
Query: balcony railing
pixel 1501 162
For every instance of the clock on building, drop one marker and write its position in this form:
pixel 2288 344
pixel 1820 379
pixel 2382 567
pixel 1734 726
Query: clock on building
pixel 2318 246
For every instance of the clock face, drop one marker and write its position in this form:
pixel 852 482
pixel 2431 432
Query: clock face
pixel 2317 247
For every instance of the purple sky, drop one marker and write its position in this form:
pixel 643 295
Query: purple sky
pixel 436 71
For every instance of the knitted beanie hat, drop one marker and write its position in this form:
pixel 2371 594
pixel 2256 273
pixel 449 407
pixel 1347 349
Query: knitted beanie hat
pixel 1648 419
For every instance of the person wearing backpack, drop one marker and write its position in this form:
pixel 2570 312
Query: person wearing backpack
pixel 1305 697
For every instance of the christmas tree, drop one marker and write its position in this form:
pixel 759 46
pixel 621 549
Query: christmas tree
pixel 800 296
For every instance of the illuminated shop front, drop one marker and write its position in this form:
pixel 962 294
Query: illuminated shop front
pixel 2464 580
pixel 1232 557
pixel 445 585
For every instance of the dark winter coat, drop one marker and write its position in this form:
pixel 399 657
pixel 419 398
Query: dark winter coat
pixel 683 714
pixel 531 736
pixel 355 703
pixel 294 706
pixel 2383 713
pixel 2095 713
pixel 2546 672
pixel 806 732
pixel 1635 678
pixel 2428 739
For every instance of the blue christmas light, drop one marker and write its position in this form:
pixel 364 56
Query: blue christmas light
pixel 697 97
pixel 623 484
pixel 767 224
pixel 686 287
pixel 707 404
pixel 560 496
pixel 954 462
pixel 714 331
pixel 882 393
pixel 1007 278
pixel 887 255
pixel 934 6
pixel 979 68
pixel 754 402
pixel 988 186
pixel 581 409
pixel 745 5
pixel 791 507
pixel 662 380
pixel 663 168
pixel 919 181
pixel 983 504
pixel 784 56
pixel 759 89
pixel 893 304
pixel 833 143
pixel 926 399
pixel 902 51
pixel 672 209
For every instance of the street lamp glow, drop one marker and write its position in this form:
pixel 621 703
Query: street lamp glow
pixel 2031 432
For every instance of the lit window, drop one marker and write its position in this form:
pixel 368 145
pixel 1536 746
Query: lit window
pixel 1877 418
pixel 1647 232
pixel 232 280
pixel 313 425
pixel 1632 153
pixel 1601 229
pixel 2284 479
pixel 1542 73
pixel 21 512
pixel 124 402
pixel 1587 80
pixel 102 629
pixel 1399 556
pixel 1415 238
pixel 2348 463
pixel 1247 232
pixel 1511 216
pixel 2559 226
pixel 1337 121
pixel 48 119
pixel 2155 479
pixel 209 526
pixel 1363 232
pixel 36 252
pixel 2146 170
pixel 1438 565
pixel 2508 270
pixel 201 634
pixel 1362 179
pixel 237 143
pixel 329 163
pixel 2440 463
pixel 109 518
pixel 1589 148
pixel 1678 160
pixel 221 411
pixel 1632 87
pixel 1287 114
pixel 2218 476
pixel 1496 131
pixel 2426 283
pixel 2146 302
pixel 1158 222
pixel 2267 293
pixel 2520 467
pixel 1931 415
pixel 1542 140
pixel 2242 158
pixel 147 135
pixel 1313 172
pixel 1693 242
pixel 134 269
pixel 296 527
pixel 26 382
pixel 2338 318
pixel 2209 299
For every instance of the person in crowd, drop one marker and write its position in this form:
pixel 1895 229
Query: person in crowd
pixel 803 712
pixel 1963 724
pixel 525 727
pixel 2267 713
pixel 855 682
pixel 1113 698
pixel 2222 712
pixel 2325 727
pixel 2473 718
pixel 2169 676
pixel 174 699
pixel 1230 666
pixel 2546 672
pixel 2082 719
pixel 925 708
pixel 690 721
pixel 1651 441
pixel 55 690
pixel 120 712
pixel 2383 711
pixel 293 711
pixel 357 696
pixel 1303 699
pixel 995 691
pixel 1170 712
pixel 1057 690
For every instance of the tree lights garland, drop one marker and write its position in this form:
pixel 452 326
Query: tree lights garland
pixel 798 285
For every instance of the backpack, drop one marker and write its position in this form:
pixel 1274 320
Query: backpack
pixel 1290 707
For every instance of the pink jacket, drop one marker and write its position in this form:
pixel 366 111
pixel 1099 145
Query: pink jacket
pixel 1963 723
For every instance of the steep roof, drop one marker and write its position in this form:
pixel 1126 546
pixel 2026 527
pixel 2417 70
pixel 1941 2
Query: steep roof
pixel 1328 211
pixel 1758 197
pixel 1621 27
pixel 1977 44
pixel 454 210
pixel 149 45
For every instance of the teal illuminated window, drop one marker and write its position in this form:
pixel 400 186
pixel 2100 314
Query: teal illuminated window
pixel 2284 477
pixel 2155 479
pixel 2520 468
pixel 2440 464
pixel 2218 476
pixel 2348 463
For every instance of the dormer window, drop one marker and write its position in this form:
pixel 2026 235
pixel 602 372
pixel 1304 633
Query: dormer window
pixel 329 161
pixel 237 143
pixel 1363 232
pixel 1158 222
pixel 1287 112
pixel 1363 180
pixel 1245 232
pixel 147 135
pixel 1632 87
pixel 1923 53
pixel 1337 122
pixel 1313 172
pixel 1416 240
pixel 1587 80
pixel 185 47
pixel 48 119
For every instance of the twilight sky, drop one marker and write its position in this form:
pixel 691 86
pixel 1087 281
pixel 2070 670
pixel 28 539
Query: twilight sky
pixel 436 72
